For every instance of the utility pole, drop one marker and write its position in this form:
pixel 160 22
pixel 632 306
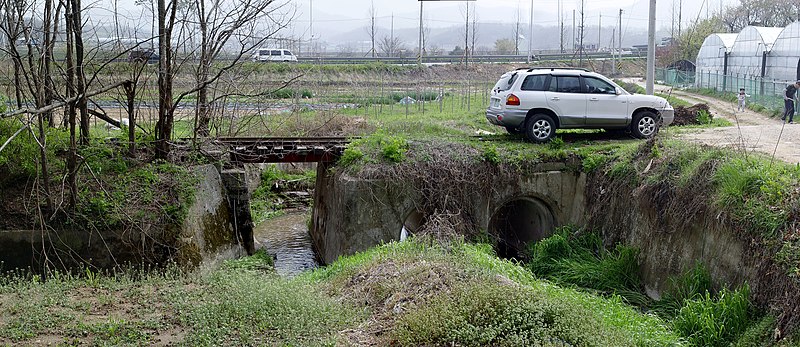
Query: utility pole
pixel 582 33
pixel 530 36
pixel 466 39
pixel 311 25
pixel 651 48
pixel 599 31
pixel 419 57
pixel 680 16
pixel 573 30
pixel 619 42
pixel 561 19
pixel 613 55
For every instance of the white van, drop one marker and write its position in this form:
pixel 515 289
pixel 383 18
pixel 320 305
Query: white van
pixel 265 54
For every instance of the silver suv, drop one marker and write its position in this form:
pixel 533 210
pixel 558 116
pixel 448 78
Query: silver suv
pixel 536 102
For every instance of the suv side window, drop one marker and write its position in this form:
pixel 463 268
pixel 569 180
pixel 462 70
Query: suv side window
pixel 274 52
pixel 566 84
pixel 598 86
pixel 535 83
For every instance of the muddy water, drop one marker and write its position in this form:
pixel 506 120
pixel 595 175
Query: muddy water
pixel 286 239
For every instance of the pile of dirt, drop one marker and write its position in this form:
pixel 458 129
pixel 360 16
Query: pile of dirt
pixel 693 115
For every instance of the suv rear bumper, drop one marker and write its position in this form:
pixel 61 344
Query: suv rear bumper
pixel 506 118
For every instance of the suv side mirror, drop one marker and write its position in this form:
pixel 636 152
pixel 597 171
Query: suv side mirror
pixel 618 91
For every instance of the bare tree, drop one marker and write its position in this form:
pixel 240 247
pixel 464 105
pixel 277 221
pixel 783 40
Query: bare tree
pixel 391 46
pixel 221 22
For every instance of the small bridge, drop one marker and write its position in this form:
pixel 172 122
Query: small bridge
pixel 284 149
pixel 255 150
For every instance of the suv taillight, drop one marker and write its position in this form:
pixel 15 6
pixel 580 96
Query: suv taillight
pixel 512 100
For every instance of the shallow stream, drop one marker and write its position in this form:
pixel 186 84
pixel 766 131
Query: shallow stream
pixel 287 240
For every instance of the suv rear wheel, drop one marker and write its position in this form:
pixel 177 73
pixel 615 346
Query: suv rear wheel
pixel 644 125
pixel 540 128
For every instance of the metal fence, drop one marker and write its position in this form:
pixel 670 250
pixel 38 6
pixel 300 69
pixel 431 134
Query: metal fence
pixel 676 78
pixel 762 91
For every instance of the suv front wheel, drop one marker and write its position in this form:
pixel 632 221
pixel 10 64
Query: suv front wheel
pixel 540 128
pixel 644 125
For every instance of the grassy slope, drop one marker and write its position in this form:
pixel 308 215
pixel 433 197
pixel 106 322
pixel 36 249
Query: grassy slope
pixel 409 288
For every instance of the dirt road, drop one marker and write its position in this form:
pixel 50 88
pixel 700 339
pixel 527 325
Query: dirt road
pixel 752 131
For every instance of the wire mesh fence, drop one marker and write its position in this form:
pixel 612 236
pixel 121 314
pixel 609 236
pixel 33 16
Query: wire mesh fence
pixel 767 93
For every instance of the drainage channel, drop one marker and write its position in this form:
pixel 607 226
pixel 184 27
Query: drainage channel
pixel 287 240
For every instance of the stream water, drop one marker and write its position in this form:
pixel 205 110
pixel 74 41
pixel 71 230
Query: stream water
pixel 287 240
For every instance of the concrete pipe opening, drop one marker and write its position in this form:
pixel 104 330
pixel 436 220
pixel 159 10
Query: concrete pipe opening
pixel 411 225
pixel 519 223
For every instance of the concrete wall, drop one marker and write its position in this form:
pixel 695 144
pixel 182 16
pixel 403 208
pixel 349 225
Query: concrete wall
pixel 352 214
pixel 207 232
pixel 674 228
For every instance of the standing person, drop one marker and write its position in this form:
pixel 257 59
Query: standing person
pixel 788 101
pixel 742 99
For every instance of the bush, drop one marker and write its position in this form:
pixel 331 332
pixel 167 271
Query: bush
pixel 580 259
pixel 492 314
pixel 714 320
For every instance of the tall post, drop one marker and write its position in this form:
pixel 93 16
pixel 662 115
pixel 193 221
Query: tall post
pixel 419 57
pixel 651 48
pixel 599 31
pixel 613 54
pixel 619 41
pixel 466 39
pixel 311 25
pixel 393 48
pixel 530 36
pixel 573 30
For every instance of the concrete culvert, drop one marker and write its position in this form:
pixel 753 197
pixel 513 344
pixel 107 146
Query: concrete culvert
pixel 411 225
pixel 518 223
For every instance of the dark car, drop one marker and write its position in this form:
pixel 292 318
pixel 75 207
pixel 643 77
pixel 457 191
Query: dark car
pixel 143 56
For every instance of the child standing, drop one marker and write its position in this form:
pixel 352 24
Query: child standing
pixel 742 99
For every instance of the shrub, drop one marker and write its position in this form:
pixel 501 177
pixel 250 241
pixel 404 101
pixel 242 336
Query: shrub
pixel 580 259
pixel 714 320
pixel 492 314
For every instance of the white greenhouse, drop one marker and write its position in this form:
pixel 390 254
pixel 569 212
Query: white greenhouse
pixel 760 59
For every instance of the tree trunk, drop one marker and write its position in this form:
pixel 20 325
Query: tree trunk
pixel 165 112
pixel 203 109
pixel 70 115
pixel 82 105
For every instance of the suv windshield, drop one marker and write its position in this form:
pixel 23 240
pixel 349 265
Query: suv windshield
pixel 505 82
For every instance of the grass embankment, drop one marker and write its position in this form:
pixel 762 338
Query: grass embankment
pixel 693 309
pixel 407 294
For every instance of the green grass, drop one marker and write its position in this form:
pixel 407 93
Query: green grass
pixel 573 257
pixel 479 299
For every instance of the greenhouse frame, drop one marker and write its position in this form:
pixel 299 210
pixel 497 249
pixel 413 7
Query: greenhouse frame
pixel 763 60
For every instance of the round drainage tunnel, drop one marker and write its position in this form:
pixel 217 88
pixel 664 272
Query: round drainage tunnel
pixel 518 223
pixel 411 224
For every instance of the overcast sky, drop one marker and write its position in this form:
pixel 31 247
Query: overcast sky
pixel 331 17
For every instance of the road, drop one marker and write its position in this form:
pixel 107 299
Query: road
pixel 751 131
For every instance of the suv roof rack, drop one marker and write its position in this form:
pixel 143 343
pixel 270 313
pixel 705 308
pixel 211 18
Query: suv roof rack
pixel 553 68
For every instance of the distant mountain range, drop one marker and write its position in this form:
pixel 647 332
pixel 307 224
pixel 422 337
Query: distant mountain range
pixel 447 38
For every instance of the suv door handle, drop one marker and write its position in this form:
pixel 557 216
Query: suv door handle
pixel 594 99
pixel 555 98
